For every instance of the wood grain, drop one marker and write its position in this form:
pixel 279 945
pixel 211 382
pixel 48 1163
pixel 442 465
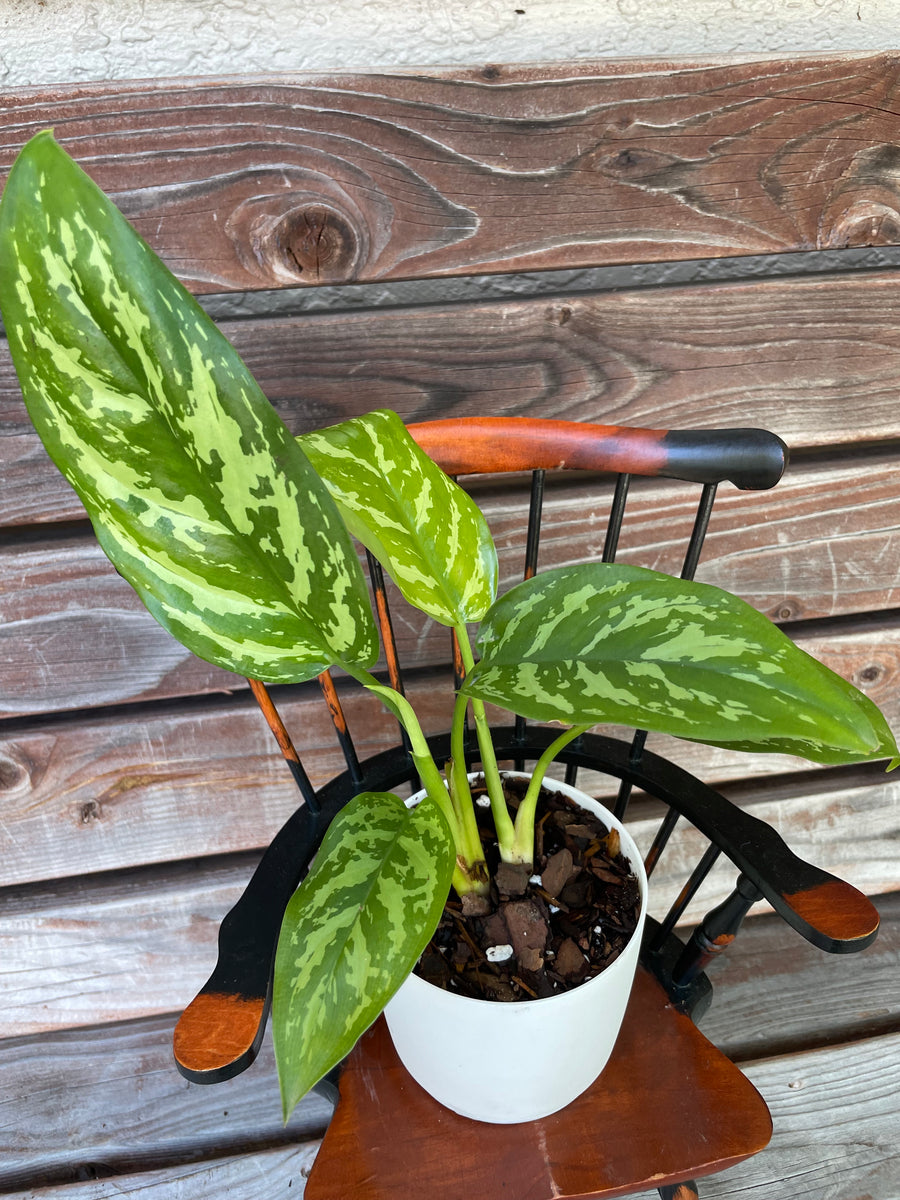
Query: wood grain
pixel 115 948
pixel 836 1113
pixel 77 791
pixel 126 832
pixel 249 183
pixel 776 994
pixel 824 543
pixel 103 1101
pixel 125 789
pixel 821 1134
pixel 132 1107
pixel 279 1172
pixel 817 360
pixel 707 1118
pixel 124 945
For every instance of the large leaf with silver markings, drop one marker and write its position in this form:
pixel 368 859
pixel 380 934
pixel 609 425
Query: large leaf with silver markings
pixel 197 492
pixel 353 931
pixel 421 526
pixel 622 644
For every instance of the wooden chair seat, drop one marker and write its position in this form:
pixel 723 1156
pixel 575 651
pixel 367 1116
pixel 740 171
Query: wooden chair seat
pixel 669 1103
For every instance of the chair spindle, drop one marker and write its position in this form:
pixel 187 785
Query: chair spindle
pixel 700 872
pixel 698 534
pixel 339 721
pixel 571 776
pixel 283 738
pixel 532 546
pixel 616 515
pixel 610 549
pixel 716 932
pixel 388 640
pixel 533 536
pixel 688 570
pixel 666 827
pixel 385 625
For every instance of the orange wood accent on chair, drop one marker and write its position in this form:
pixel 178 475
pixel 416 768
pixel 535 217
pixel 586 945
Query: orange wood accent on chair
pixel 216 1027
pixel 839 911
pixel 704 1115
pixel 486 445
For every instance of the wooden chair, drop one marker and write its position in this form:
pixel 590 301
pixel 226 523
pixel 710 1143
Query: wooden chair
pixel 670 1107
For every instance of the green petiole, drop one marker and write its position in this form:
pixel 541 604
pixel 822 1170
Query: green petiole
pixel 523 849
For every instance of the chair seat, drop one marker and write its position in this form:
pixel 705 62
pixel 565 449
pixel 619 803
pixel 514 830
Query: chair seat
pixel 668 1107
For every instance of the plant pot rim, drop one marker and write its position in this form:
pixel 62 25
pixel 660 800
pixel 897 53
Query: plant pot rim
pixel 635 862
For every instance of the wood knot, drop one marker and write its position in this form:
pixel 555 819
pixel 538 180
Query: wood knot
pixel 299 237
pixel 89 812
pixel 318 242
pixel 626 159
pixel 639 166
pixel 13 775
pixel 864 206
pixel 865 224
pixel 870 674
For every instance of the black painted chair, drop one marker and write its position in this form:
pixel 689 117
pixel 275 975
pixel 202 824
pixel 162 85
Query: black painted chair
pixel 706 1115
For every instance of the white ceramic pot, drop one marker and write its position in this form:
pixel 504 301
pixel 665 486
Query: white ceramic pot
pixel 508 1062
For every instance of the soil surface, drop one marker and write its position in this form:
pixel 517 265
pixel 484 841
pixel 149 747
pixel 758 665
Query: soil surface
pixel 548 930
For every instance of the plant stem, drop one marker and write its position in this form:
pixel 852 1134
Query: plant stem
pixel 461 793
pixel 524 835
pixel 470 873
pixel 503 824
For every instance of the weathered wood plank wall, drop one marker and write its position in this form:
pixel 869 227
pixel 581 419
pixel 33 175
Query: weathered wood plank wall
pixel 279 181
pixel 137 784
pixel 819 358
pixel 823 546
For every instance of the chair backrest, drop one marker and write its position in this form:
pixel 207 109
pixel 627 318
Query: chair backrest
pixel 820 907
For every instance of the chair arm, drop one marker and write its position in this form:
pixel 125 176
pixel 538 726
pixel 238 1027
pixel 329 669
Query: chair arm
pixel 752 459
pixel 220 1032
pixel 828 912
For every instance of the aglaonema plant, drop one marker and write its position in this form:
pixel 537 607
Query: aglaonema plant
pixel 237 537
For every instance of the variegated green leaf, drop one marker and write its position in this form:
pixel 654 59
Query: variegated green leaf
pixel 197 492
pixel 634 647
pixel 421 526
pixel 353 930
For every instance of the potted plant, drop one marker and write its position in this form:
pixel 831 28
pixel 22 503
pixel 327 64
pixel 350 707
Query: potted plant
pixel 237 537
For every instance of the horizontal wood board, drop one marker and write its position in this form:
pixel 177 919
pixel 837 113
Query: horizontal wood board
pixel 825 543
pixel 277 1173
pixel 103 1101
pixel 250 183
pixel 775 994
pixel 161 1118
pixel 115 790
pixel 119 946
pixel 824 1138
pixel 836 1113
pixel 816 360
